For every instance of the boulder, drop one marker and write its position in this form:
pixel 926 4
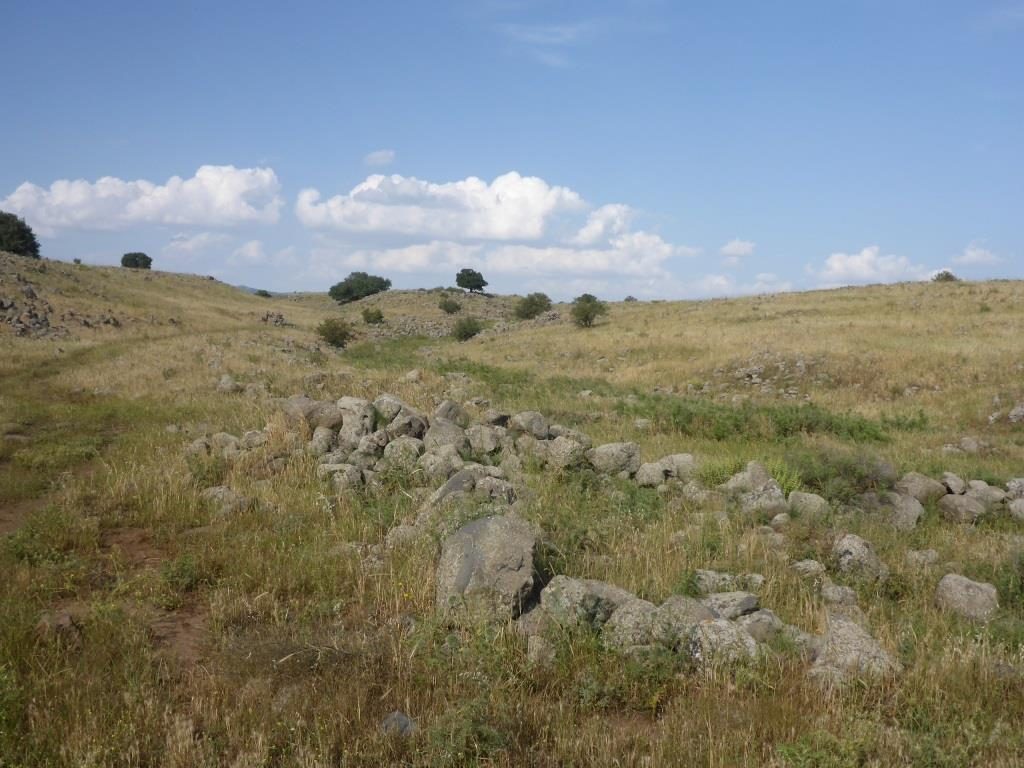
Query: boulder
pixel 961 509
pixel 573 602
pixel 451 411
pixel 1016 508
pixel 324 413
pixel 904 511
pixel 387 407
pixel 765 502
pixel 529 423
pixel 921 558
pixel 754 477
pixel 808 505
pixel 678 466
pixel 408 423
pixel 225 446
pixel 487 565
pixel 398 724
pixel 484 440
pixel 347 477
pixel 921 487
pixel 445 433
pixel 630 625
pixel 565 453
pixel 974 600
pixel 990 496
pixel 402 454
pixel 675 619
pixel 848 651
pixel 762 625
pixel 615 458
pixel 809 569
pixel 227 385
pixel 324 439
pixel 1015 489
pixel 225 500
pixel 731 605
pixel 719 641
pixel 495 418
pixel 439 465
pixel 856 557
pixel 953 483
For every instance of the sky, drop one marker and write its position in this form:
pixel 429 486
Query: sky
pixel 619 147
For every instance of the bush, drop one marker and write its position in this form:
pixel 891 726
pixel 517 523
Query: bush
pixel 372 316
pixel 630 298
pixel 77 262
pixel 531 306
pixel 358 285
pixel 470 279
pixel 586 309
pixel 17 237
pixel 466 328
pixel 136 260
pixel 944 276
pixel 335 331
pixel 263 294
pixel 449 306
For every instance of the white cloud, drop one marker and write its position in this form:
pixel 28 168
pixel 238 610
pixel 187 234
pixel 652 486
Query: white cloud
pixel 217 195
pixel 631 253
pixel 250 253
pixel 184 244
pixel 737 248
pixel 975 255
pixel 608 220
pixel 380 157
pixel 512 207
pixel 868 266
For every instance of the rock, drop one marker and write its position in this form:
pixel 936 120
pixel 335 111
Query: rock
pixel 953 483
pixel 808 505
pixel 346 477
pixel 402 454
pixel 325 414
pixel 615 458
pixel 530 423
pixel 408 423
pixel 227 385
pixel 1016 415
pixel 961 509
pixel 224 500
pixel 732 605
pixel 224 445
pixel 444 433
pixel 809 569
pixel 451 411
pixel 836 594
pixel 679 466
pixel 557 430
pixel 921 487
pixel 762 625
pixel 358 419
pixel 905 510
pixel 59 626
pixel 1016 508
pixel 253 439
pixel 707 581
pixel 856 557
pixel 582 601
pixel 322 442
pixel 495 418
pixel 1015 489
pixel 463 481
pixel 398 724
pixel 539 651
pixel 766 501
pixel 412 377
pixel 630 625
pixel 675 619
pixel 484 440
pixel 780 522
pixel 387 407
pixel 849 652
pixel 990 496
pixel 718 641
pixel 496 489
pixel 487 565
pixel 753 478
pixel 565 453
pixel 403 535
pixel 440 465
pixel 921 558
pixel 974 600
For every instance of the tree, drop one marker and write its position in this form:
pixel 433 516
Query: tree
pixel 358 285
pixel 466 328
pixel 372 316
pixel 263 293
pixel 586 309
pixel 449 306
pixel 136 260
pixel 945 276
pixel 335 331
pixel 532 305
pixel 470 279
pixel 17 237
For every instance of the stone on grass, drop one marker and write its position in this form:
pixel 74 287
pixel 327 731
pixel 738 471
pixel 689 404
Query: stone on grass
pixel 530 423
pixel 921 558
pixel 225 500
pixel 856 557
pixel 565 453
pixel 589 602
pixel 921 487
pixel 347 477
pixel 1016 508
pixel 762 625
pixel 444 433
pixel 953 483
pixel 630 625
pixel 905 510
pixel 451 411
pixel 961 509
pixel 615 458
pixel 407 423
pixel 483 439
pixel 720 642
pixel 387 407
pixel 974 600
pixel 674 620
pixel 487 565
pixel 848 652
pixel 810 569
pixel 398 724
pixel 732 605
pixel 808 505
pixel 990 496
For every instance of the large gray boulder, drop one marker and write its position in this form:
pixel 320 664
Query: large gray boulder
pixel 573 602
pixel 921 487
pixel 716 642
pixel 487 566
pixel 904 510
pixel 565 453
pixel 765 502
pixel 762 625
pixel 224 500
pixel 485 440
pixel 630 626
pixel 754 477
pixel 678 466
pixel 961 509
pixel 387 407
pixel 808 505
pixel 856 557
pixel 675 619
pixel 953 483
pixel 615 458
pixel 408 423
pixel 451 411
pixel 848 651
pixel 731 605
pixel 325 413
pixel 974 600
pixel 439 465
pixel 401 455
pixel 990 496
pixel 530 423
pixel 1015 489
pixel 444 433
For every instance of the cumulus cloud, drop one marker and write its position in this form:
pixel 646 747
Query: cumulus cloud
pixel 512 207
pixel 606 221
pixel 975 255
pixel 736 248
pixel 868 266
pixel 631 253
pixel 251 252
pixel 380 157
pixel 185 244
pixel 217 195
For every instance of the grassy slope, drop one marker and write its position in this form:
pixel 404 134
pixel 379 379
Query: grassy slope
pixel 303 651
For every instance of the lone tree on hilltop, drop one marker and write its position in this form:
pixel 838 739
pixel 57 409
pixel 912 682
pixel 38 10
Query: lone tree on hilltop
pixel 358 285
pixel 17 237
pixel 136 260
pixel 471 280
pixel 944 276
pixel 586 309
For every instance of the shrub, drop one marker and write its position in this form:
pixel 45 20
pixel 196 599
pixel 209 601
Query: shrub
pixel 532 305
pixel 263 294
pixel 335 331
pixel 17 237
pixel 77 262
pixel 136 260
pixel 466 328
pixel 372 316
pixel 358 285
pixel 944 276
pixel 630 298
pixel 470 279
pixel 586 309
pixel 449 306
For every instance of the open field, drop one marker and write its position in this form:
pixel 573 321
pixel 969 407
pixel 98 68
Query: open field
pixel 140 625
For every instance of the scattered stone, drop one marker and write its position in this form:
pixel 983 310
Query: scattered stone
pixel 453 412
pixel 719 641
pixel 780 522
pixel 412 377
pixel 225 500
pixel 530 423
pixel 1016 508
pixel 227 385
pixel 921 558
pixel 905 510
pixel 539 651
pixel 582 601
pixel 808 505
pixel 836 594
pixel 675 619
pixel 398 724
pixel 961 509
pixel 615 458
pixel 974 600
pixel 443 433
pixel 630 625
pixel 732 605
pixel 953 483
pixel 849 652
pixel 762 625
pixel 810 569
pixel 856 557
pixel 921 487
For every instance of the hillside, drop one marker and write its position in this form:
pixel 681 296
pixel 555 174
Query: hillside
pixel 198 568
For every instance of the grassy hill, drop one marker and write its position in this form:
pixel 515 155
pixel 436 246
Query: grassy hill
pixel 138 626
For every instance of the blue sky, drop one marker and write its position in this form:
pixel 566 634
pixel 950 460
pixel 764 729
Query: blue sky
pixel 660 149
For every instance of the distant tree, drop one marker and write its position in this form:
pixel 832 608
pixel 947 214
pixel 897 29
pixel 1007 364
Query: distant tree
pixel 532 305
pixel 944 276
pixel 586 309
pixel 17 237
pixel 372 316
pixel 466 328
pixel 335 331
pixel 77 262
pixel 136 260
pixel 630 298
pixel 449 306
pixel 470 279
pixel 358 285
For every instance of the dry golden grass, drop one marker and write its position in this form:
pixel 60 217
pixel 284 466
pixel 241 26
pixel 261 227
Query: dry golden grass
pixel 271 638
